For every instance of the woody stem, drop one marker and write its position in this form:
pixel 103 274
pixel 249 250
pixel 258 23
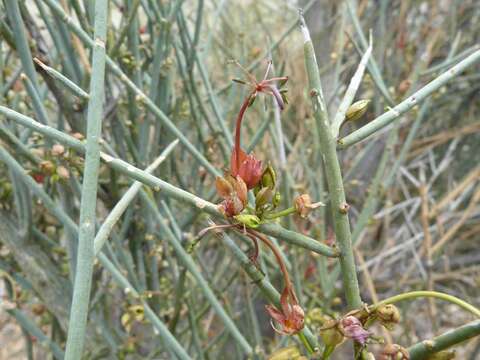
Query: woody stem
pixel 238 127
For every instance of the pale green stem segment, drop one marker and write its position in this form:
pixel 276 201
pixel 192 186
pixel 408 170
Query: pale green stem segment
pixel 85 257
pixel 114 215
pixel 434 294
pixel 69 84
pixel 23 49
pixel 282 213
pixel 428 347
pixel 394 113
pixel 351 92
pixel 333 174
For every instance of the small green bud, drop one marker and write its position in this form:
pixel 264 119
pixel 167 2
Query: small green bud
pixel 263 197
pixel 252 99
pixel 366 355
pixel 276 199
pixel 356 110
pixel 388 315
pixel 269 178
pixel 251 221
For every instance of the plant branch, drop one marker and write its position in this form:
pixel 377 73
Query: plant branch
pixel 394 113
pixel 432 294
pixel 86 255
pixel 428 347
pixel 339 207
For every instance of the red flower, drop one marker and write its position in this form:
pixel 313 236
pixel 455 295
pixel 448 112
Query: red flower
pixel 291 316
pixel 248 167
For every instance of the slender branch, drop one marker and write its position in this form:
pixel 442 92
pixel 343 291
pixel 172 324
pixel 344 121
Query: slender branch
pixel 351 91
pixel 333 174
pixel 428 347
pixel 85 257
pixel 69 84
pixel 114 215
pixel 393 114
pixel 21 42
pixel 432 294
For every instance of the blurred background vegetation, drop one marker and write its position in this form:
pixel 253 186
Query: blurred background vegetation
pixel 416 182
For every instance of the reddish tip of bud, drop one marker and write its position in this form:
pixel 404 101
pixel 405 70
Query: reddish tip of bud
pixel 231 206
pixel 248 167
pixel 251 171
pixel 39 178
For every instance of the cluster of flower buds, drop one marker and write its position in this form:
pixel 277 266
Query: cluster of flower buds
pixel 246 173
pixel 52 165
pixel 266 196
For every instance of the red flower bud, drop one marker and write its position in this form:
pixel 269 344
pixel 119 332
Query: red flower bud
pixel 249 168
pixel 251 171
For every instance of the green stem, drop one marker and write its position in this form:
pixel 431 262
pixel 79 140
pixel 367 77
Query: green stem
pixel 333 174
pixel 305 342
pixel 434 294
pixel 86 255
pixel 428 347
pixel 120 207
pixel 282 213
pixel 393 114
pixel 21 42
